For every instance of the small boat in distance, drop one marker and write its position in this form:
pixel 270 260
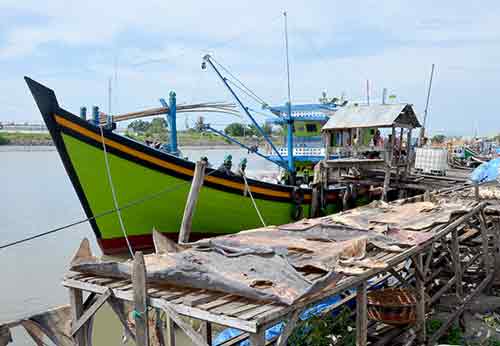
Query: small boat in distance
pixel 152 186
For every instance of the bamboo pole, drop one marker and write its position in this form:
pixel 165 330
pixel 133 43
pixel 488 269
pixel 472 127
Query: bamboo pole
pixel 187 219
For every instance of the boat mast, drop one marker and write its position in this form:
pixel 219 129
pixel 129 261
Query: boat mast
pixel 422 131
pixel 291 165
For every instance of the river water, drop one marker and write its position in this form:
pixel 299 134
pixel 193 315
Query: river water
pixel 35 196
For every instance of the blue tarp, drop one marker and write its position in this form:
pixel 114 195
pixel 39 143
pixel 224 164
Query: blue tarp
pixel 486 172
pixel 275 331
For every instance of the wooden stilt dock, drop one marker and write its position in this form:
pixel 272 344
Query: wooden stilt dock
pixel 434 268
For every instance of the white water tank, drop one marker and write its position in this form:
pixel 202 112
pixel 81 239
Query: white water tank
pixel 431 160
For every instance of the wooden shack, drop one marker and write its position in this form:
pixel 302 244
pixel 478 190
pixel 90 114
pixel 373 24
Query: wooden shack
pixel 354 140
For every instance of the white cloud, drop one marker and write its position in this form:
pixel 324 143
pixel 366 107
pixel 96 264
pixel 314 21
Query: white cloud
pixel 334 46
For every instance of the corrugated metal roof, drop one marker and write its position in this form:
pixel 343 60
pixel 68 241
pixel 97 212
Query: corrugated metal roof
pixel 372 116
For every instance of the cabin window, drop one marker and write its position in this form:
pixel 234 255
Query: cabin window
pixel 311 128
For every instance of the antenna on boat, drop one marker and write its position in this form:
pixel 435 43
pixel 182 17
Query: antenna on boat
pixel 291 165
pixel 368 92
pixel 109 95
pixel 424 125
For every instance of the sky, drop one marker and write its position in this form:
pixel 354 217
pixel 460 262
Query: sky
pixel 148 48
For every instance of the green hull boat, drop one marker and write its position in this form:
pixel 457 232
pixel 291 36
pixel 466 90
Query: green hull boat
pixel 152 186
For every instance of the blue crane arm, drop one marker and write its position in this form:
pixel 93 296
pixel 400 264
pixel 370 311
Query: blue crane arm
pixel 251 150
pixel 207 60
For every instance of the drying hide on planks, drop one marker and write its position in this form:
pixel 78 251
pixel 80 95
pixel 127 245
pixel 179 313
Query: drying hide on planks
pixel 380 216
pixel 263 265
pixel 253 273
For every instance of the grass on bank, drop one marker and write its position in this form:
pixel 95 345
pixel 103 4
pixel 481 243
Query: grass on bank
pixel 16 137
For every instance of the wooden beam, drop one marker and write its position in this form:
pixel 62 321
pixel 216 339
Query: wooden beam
pixel 289 327
pixel 76 301
pixel 443 290
pixel 195 337
pixel 187 219
pixel 428 260
pixel 361 315
pixel 75 327
pixel 433 339
pixel 140 301
pixel 398 276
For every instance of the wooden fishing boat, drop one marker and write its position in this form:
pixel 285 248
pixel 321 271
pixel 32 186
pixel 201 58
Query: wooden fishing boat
pixel 152 186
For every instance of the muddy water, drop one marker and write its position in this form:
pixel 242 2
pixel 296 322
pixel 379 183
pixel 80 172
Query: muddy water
pixel 35 196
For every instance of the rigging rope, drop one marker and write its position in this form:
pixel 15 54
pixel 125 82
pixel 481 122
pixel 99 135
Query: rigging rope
pixel 243 90
pixel 107 212
pixel 251 197
pixel 113 192
pixel 260 100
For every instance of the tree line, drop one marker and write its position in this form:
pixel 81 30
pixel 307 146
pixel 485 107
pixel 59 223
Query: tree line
pixel 158 128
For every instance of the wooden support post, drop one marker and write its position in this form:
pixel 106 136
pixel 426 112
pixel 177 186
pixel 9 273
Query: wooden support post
pixel 289 327
pixel 76 301
pixel 496 247
pixel 485 242
pixel 408 153
pixel 259 338
pixel 315 202
pixel 420 281
pixel 171 331
pixel 206 331
pixel 90 312
pixel 187 219
pixel 400 149
pixel 388 165
pixel 176 319
pixel 159 327
pixel 387 182
pixel 476 192
pixel 393 139
pixel 459 290
pixel 457 265
pixel 361 315
pixel 328 143
pixel 140 301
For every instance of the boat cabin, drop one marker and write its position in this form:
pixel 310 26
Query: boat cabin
pixel 369 137
pixel 308 146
